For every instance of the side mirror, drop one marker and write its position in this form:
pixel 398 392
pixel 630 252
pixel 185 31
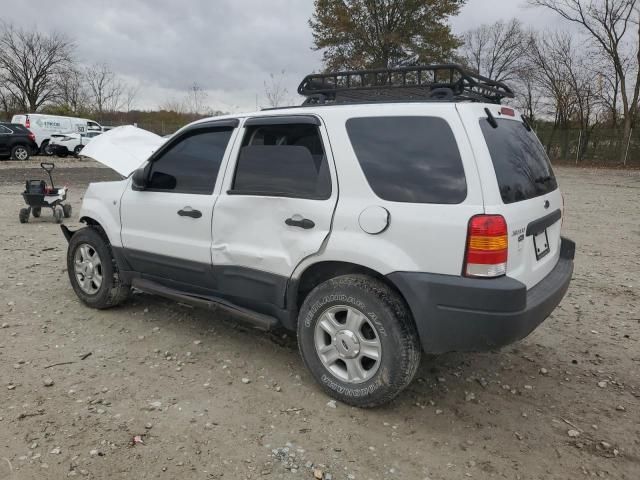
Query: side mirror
pixel 139 179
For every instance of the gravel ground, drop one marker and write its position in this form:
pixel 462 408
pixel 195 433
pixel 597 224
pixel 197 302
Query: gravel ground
pixel 168 391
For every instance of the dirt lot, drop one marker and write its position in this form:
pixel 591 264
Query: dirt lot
pixel 212 398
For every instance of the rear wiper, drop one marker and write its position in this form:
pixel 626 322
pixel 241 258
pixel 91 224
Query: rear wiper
pixel 543 179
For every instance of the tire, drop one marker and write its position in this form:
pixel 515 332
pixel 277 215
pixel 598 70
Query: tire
pixel 46 149
pixel 57 215
pixel 384 321
pixel 35 211
pixel 20 153
pixel 66 210
pixel 111 291
pixel 77 150
pixel 24 215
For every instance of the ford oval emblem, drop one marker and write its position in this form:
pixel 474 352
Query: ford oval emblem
pixel 547 204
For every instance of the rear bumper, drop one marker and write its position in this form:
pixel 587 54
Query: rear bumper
pixel 455 313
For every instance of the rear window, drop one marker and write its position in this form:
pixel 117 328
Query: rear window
pixel 522 167
pixel 409 159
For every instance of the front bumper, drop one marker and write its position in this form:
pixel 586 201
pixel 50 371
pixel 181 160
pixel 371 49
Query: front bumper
pixel 460 314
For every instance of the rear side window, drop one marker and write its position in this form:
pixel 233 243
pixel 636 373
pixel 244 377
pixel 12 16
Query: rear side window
pixel 522 167
pixel 5 130
pixel 409 159
pixel 283 161
pixel 191 165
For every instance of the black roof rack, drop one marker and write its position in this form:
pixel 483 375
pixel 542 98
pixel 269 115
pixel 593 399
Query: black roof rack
pixel 447 82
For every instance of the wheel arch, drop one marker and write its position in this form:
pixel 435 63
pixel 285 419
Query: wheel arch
pixel 313 275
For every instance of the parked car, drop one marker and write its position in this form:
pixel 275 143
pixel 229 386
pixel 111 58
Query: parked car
pixel 43 126
pixel 378 221
pixel 63 144
pixel 16 141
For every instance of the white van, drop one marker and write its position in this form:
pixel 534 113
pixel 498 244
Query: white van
pixel 43 126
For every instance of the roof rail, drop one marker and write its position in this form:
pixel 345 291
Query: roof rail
pixel 446 82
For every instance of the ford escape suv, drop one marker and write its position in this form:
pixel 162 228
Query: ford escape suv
pixel 395 212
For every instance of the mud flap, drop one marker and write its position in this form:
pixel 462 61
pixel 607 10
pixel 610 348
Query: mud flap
pixel 67 233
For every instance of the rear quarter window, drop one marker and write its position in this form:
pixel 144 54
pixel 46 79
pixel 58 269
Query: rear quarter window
pixel 409 159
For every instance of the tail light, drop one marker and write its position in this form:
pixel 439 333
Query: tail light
pixel 487 247
pixel 27 122
pixel 32 136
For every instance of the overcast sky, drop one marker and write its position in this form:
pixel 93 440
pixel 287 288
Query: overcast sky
pixel 227 46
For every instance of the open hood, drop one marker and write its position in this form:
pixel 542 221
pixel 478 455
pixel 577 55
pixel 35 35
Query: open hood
pixel 123 149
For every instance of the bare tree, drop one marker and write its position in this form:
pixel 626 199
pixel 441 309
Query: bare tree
pixel 196 98
pixel 30 64
pixel 608 24
pixel 130 95
pixel 173 105
pixel 275 90
pixel 495 50
pixel 71 94
pixel 106 91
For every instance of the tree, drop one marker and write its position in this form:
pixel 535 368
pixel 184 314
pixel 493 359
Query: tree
pixel 31 63
pixel 608 24
pixel 275 90
pixel 105 89
pixel 495 50
pixel 130 95
pixel 356 34
pixel 196 98
pixel 71 94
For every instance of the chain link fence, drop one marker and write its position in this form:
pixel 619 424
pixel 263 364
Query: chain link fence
pixel 600 146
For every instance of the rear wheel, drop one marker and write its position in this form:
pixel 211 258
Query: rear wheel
pixel 47 149
pixel 57 215
pixel 77 150
pixel 35 211
pixel 92 270
pixel 20 153
pixel 358 339
pixel 24 215
pixel 66 210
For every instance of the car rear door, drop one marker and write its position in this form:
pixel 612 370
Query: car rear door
pixel 166 228
pixel 519 184
pixel 275 208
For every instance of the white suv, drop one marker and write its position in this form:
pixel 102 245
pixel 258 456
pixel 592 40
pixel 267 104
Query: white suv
pixel 377 227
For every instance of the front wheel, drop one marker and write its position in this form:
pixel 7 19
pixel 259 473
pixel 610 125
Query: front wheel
pixel 77 150
pixel 358 339
pixel 24 215
pixel 20 153
pixel 92 270
pixel 66 210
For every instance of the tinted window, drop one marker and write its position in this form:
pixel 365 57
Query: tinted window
pixel 409 159
pixel 283 160
pixel 191 165
pixel 521 164
pixel 5 130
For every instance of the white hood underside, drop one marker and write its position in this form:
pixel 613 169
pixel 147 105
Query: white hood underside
pixel 123 149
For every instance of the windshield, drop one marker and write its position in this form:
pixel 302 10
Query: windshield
pixel 521 164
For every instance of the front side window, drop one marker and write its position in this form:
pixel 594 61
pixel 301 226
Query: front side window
pixel 191 165
pixel 409 159
pixel 284 161
pixel 5 130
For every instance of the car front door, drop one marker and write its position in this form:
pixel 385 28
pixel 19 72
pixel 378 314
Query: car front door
pixel 166 227
pixel 275 207
pixel 5 140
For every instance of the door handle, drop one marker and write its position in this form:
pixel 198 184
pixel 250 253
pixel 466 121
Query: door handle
pixel 301 223
pixel 189 212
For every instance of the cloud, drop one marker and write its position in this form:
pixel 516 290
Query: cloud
pixel 229 47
